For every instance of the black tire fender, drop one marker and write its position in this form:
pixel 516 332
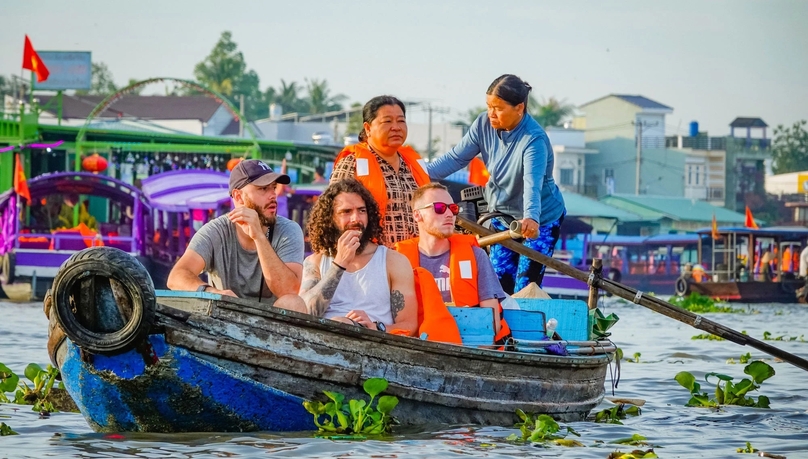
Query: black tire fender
pixel 8 263
pixel 98 289
pixel 681 286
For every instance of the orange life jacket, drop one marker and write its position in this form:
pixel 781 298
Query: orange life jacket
pixel 434 318
pixel 373 180
pixel 478 174
pixel 464 291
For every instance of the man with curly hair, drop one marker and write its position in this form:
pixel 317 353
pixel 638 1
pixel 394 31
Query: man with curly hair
pixel 350 277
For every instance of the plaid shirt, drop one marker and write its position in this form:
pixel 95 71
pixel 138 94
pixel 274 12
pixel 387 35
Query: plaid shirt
pixel 398 222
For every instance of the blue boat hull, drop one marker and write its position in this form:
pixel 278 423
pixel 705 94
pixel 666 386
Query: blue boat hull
pixel 178 393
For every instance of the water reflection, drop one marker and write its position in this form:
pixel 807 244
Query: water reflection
pixel 665 345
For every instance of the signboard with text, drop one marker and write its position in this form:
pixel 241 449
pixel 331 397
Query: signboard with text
pixel 68 70
pixel 802 183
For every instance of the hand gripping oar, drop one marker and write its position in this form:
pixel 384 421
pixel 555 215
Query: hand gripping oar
pixel 636 296
pixel 514 231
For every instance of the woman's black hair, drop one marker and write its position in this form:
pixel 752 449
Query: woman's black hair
pixel 371 110
pixel 511 89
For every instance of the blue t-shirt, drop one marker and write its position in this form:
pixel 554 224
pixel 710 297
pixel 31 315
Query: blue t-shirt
pixel 521 166
pixel 488 285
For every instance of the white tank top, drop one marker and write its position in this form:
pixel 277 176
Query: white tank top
pixel 366 289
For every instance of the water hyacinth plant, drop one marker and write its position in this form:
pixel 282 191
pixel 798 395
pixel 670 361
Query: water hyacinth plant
pixel 541 429
pixel 356 418
pixel 37 395
pixel 727 393
pixel 701 304
pixel 614 414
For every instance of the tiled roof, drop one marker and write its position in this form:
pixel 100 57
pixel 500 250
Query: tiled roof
pixel 748 122
pixel 639 101
pixel 652 207
pixel 580 206
pixel 199 108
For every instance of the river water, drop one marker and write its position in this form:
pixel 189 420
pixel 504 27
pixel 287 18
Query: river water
pixel 665 346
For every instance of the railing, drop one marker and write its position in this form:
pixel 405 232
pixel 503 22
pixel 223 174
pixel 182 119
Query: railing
pixel 716 143
pixel 56 241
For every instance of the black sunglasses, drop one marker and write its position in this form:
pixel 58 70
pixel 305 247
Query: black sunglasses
pixel 440 208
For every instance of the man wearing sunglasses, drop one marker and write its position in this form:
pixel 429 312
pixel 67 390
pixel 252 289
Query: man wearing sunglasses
pixel 462 270
pixel 251 252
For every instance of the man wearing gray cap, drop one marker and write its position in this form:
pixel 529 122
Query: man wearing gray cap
pixel 249 252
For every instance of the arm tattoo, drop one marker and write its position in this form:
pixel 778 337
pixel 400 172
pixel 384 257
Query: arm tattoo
pixel 396 303
pixel 317 292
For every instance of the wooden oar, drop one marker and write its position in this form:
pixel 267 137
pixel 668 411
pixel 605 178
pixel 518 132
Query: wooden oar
pixel 651 302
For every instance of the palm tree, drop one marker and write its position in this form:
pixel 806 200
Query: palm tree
pixel 550 111
pixel 287 97
pixel 319 99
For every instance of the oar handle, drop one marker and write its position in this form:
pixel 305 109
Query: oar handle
pixel 514 231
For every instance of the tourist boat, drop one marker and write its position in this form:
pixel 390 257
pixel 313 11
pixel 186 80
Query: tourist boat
pixel 748 265
pixel 180 202
pixel 136 359
pixel 37 238
pixel 648 263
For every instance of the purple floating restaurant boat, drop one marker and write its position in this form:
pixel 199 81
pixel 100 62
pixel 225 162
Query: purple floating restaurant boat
pixel 36 238
pixel 180 202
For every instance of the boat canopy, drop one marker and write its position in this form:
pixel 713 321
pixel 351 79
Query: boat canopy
pixel 184 190
pixel 779 232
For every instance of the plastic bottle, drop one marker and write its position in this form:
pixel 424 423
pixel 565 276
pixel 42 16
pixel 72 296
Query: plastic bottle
pixel 552 324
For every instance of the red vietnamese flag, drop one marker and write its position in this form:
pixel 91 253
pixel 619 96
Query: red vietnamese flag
pixel 31 61
pixel 20 184
pixel 750 222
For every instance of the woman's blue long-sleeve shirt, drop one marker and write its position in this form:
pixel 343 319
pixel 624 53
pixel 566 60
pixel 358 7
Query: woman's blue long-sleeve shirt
pixel 521 166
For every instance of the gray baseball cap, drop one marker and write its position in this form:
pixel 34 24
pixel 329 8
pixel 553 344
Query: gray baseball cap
pixel 254 172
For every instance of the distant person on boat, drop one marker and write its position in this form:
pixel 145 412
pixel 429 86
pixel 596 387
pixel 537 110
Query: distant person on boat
pixel 461 269
pixel 249 252
pixel 390 170
pixel 349 277
pixel 519 159
pixel 804 263
pixel 319 175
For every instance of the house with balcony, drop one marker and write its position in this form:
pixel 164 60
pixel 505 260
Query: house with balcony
pixel 727 171
pixel 629 133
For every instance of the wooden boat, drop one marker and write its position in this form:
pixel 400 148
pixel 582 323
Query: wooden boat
pixel 134 360
pixel 738 268
pixel 36 240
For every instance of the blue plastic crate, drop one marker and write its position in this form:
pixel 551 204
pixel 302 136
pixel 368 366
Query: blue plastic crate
pixel 476 325
pixel 572 316
pixel 527 325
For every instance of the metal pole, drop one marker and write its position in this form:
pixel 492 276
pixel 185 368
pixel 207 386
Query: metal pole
pixel 59 113
pixel 639 158
pixel 241 117
pixel 429 134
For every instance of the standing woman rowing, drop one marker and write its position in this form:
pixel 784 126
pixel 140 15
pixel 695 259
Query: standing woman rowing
pixel 519 157
pixel 390 170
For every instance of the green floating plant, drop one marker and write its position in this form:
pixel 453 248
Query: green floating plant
pixel 356 418
pixel 614 414
pixel 708 336
pixel 6 430
pixel 701 304
pixel 37 394
pixel 542 428
pixel 634 440
pixel 727 393
pixel 636 454
pixel 767 336
pixel 748 449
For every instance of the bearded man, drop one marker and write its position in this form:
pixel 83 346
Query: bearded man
pixel 350 277
pixel 249 252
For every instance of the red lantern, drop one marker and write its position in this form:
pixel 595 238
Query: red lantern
pixel 94 163
pixel 233 163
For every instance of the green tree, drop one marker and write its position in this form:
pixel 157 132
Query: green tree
pixel 288 99
pixel 102 83
pixel 549 112
pixel 319 98
pixel 225 71
pixel 790 148
pixel 136 91
pixel 355 124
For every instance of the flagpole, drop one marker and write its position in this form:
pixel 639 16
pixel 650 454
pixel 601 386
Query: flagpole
pixel 31 94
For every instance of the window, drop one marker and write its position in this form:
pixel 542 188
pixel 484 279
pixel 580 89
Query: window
pixel 566 176
pixel 607 174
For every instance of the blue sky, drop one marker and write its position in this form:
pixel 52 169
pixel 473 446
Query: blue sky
pixel 710 60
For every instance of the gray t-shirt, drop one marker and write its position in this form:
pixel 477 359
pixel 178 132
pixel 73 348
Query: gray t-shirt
pixel 232 267
pixel 488 285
